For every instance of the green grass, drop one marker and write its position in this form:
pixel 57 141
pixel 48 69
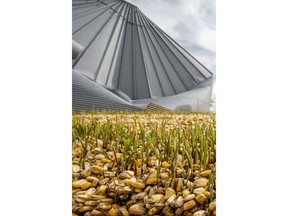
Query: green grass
pixel 142 135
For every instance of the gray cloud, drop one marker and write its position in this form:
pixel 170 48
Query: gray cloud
pixel 191 23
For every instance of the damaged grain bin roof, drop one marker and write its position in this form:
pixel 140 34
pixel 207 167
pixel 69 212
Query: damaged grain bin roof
pixel 116 48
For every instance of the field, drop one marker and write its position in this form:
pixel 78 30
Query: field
pixel 144 164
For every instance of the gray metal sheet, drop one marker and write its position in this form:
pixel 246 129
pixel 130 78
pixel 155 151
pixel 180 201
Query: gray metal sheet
pixel 88 95
pixel 124 51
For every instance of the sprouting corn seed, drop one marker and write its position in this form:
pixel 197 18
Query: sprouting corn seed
pixel 124 157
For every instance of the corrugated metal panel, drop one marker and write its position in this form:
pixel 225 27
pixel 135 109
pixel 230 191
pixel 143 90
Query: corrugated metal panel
pixel 125 50
pixel 88 95
pixel 155 108
pixel 197 99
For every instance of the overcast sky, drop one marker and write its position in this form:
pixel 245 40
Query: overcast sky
pixel 191 23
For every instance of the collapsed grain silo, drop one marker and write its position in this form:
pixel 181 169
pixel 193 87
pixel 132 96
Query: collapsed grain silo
pixel 123 61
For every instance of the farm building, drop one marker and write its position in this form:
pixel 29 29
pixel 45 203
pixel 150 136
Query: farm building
pixel 123 61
